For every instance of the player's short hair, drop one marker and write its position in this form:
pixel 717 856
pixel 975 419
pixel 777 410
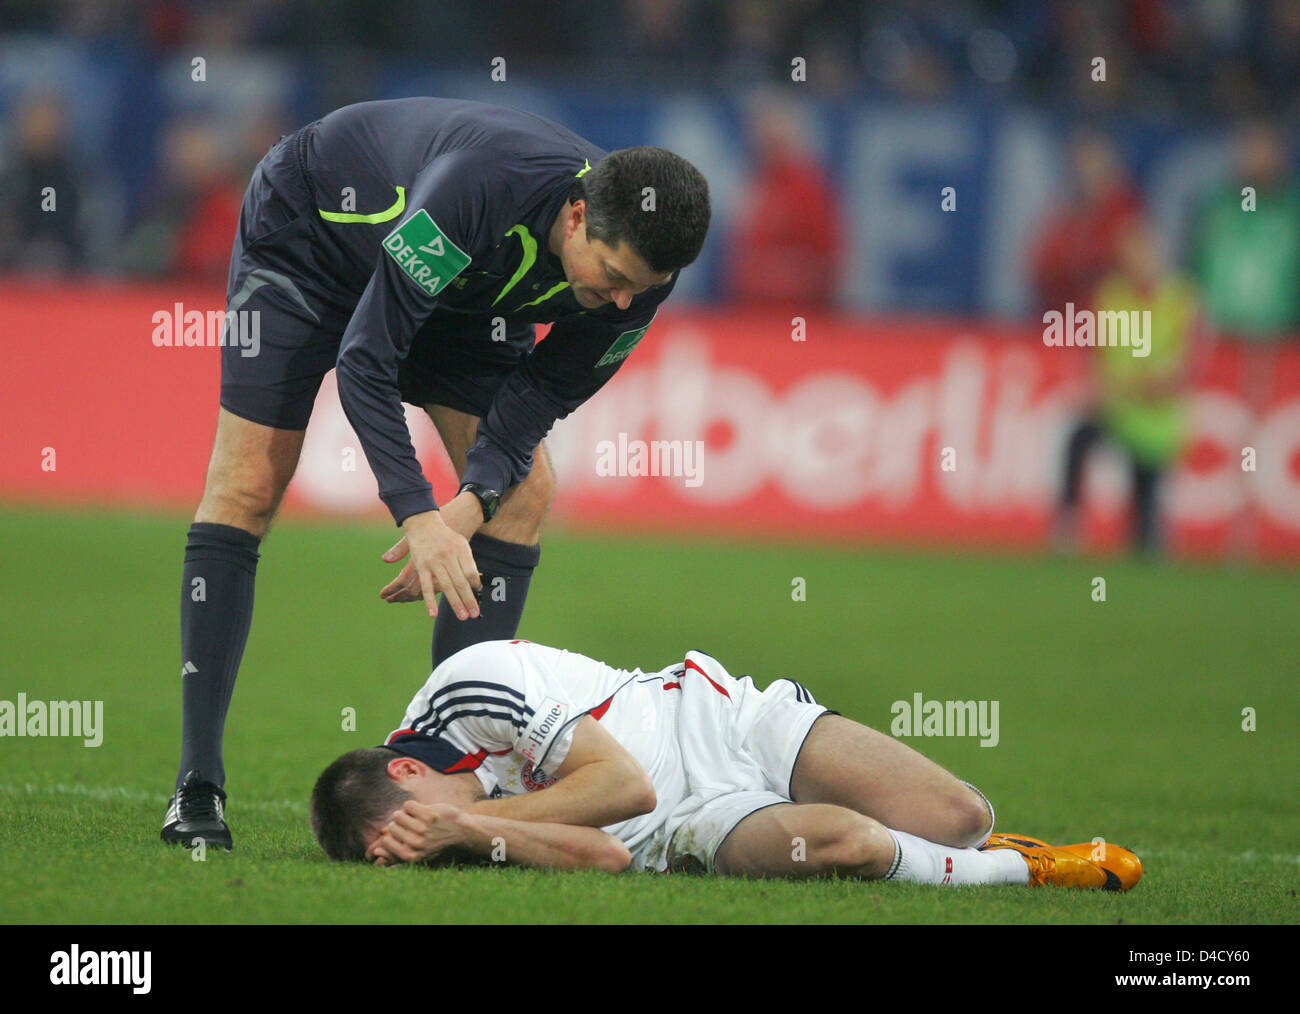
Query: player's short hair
pixel 353 795
pixel 666 231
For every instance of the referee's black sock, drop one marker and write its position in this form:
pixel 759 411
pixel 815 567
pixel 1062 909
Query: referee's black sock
pixel 507 568
pixel 216 611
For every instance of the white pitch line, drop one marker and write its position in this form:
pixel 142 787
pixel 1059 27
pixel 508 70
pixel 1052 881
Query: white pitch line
pixel 121 793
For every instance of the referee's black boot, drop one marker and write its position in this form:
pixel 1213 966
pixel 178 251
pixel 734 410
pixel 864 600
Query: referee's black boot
pixel 197 813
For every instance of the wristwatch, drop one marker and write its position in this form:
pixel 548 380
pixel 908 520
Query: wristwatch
pixel 489 499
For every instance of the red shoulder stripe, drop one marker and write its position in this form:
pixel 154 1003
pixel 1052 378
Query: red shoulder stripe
pixel 598 712
pixel 716 686
pixel 469 762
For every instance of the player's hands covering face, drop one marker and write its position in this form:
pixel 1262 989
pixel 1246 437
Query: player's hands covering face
pixel 417 831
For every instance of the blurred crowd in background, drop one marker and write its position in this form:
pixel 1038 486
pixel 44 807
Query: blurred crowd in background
pixel 980 159
pixel 1168 54
pixel 96 101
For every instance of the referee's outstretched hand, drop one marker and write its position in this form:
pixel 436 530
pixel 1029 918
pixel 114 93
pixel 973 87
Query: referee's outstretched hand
pixel 440 560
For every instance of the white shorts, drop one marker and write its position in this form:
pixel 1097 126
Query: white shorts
pixel 739 745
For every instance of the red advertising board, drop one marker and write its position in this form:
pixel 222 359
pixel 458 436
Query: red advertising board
pixel 943 431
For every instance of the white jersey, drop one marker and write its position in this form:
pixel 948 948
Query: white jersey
pixel 512 706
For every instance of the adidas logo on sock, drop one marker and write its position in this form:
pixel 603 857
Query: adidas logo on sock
pixel 189 667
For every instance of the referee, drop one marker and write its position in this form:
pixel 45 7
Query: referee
pixel 413 245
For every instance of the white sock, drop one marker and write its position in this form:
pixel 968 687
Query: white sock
pixel 923 862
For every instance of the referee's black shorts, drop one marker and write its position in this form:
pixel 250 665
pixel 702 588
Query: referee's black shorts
pixel 277 269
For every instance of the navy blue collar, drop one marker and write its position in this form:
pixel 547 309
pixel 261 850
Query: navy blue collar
pixel 433 751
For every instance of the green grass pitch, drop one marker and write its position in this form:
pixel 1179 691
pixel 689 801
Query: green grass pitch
pixel 1120 718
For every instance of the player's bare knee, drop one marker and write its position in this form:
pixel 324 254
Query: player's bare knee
pixel 641 792
pixel 972 816
pixel 966 819
pixel 614 858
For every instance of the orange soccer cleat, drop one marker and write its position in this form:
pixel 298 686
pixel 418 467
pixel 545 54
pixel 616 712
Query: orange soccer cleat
pixel 1099 866
pixel 1116 861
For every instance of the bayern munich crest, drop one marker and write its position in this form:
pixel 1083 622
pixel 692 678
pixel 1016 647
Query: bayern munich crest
pixel 533 784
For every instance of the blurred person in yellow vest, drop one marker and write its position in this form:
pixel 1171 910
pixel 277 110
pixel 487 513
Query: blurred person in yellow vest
pixel 1139 403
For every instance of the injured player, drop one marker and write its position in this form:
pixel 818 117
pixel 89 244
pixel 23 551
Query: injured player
pixel 516 752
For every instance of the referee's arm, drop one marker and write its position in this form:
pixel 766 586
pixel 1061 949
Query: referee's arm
pixel 420 257
pixel 431 245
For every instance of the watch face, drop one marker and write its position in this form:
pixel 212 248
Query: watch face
pixel 489 499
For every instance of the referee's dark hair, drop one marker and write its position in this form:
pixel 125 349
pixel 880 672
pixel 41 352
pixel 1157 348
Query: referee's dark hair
pixel 664 224
pixel 353 795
